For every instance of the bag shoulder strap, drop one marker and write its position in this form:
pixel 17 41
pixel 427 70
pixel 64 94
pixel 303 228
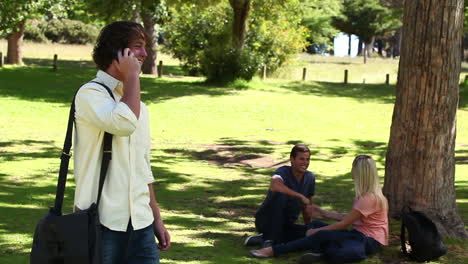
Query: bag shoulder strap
pixel 65 157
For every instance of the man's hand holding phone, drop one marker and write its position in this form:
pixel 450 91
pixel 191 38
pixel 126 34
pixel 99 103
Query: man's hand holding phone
pixel 128 69
pixel 127 64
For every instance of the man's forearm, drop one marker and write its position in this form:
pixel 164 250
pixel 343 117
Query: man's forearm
pixel 154 204
pixel 278 186
pixel 131 95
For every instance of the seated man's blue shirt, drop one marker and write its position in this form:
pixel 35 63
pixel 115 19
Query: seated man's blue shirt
pixel 305 187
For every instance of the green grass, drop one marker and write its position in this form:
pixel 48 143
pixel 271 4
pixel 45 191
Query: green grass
pixel 207 142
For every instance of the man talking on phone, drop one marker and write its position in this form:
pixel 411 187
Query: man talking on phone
pixel 128 209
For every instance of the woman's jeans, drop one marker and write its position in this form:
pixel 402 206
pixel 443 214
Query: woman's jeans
pixel 345 244
pixel 130 247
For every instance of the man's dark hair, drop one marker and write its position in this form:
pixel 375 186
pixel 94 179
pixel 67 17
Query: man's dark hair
pixel 299 148
pixel 114 37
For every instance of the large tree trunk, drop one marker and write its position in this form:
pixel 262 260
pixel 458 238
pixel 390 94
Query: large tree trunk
pixel 241 12
pixel 149 65
pixel 15 43
pixel 420 165
pixel 379 44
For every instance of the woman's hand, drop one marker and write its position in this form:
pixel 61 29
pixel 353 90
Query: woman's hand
pixel 312 231
pixel 305 200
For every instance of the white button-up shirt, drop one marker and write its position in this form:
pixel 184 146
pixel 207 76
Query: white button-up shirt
pixel 125 194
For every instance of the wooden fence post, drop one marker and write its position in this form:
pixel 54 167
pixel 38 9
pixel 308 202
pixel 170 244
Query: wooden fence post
pixel 304 73
pixel 345 76
pixel 1 59
pixel 387 79
pixel 264 72
pixel 55 62
pixel 160 69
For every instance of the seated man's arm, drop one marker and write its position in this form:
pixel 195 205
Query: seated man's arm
pixel 277 185
pixel 308 212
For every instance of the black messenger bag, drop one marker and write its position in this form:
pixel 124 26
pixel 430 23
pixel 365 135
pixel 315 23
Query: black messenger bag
pixel 73 238
pixel 424 239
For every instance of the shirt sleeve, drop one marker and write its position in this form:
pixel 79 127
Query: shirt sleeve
pixel 95 106
pixel 366 205
pixel 145 115
pixel 278 174
pixel 149 175
pixel 311 190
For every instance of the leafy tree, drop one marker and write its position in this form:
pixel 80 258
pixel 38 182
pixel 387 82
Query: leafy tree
pixel 318 18
pixel 13 17
pixel 367 19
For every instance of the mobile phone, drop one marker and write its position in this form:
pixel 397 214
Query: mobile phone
pixel 115 54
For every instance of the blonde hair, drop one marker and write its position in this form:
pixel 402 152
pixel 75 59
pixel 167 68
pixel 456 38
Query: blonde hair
pixel 366 179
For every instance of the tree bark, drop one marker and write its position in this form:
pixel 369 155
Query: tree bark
pixel 370 47
pixel 149 65
pixel 379 44
pixel 420 164
pixel 241 12
pixel 15 44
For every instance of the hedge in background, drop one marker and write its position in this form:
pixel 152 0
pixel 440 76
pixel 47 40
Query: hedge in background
pixel 61 31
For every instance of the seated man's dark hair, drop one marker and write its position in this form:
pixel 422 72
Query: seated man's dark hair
pixel 114 37
pixel 299 148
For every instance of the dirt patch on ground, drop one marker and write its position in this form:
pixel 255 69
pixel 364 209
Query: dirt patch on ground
pixel 231 156
pixel 233 153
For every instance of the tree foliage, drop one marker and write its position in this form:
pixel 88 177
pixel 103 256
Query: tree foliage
pixel 14 12
pixel 318 18
pixel 367 19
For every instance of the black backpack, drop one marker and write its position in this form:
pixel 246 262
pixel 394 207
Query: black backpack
pixel 424 239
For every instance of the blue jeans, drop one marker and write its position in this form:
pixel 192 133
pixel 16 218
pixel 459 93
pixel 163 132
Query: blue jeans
pixel 342 244
pixel 130 247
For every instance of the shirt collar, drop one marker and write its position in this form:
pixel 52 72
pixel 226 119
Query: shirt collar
pixel 107 79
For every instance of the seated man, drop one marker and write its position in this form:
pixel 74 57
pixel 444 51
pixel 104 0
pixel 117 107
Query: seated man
pixel 291 190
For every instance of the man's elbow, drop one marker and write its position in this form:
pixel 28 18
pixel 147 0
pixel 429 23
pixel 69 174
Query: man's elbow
pixel 274 187
pixel 123 128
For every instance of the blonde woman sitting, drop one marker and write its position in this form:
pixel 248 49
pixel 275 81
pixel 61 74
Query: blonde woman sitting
pixel 334 242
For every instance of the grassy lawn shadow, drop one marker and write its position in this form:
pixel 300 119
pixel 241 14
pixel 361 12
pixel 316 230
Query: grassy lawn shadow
pixel 40 83
pixel 362 92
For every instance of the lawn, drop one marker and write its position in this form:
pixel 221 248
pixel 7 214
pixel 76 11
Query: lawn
pixel 214 148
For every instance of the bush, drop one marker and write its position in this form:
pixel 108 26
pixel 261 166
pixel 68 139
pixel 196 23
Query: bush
pixel 201 38
pixel 34 32
pixel 61 31
pixel 225 64
pixel 193 30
